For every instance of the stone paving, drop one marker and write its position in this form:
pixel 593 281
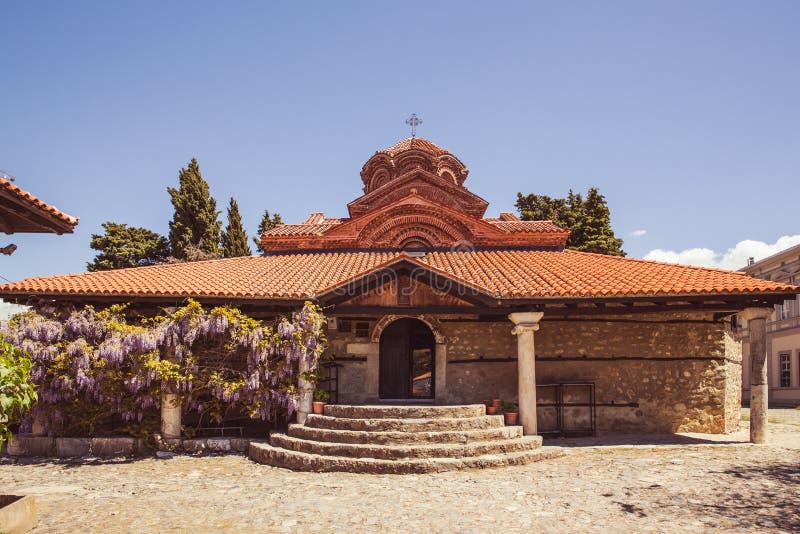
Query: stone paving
pixel 688 482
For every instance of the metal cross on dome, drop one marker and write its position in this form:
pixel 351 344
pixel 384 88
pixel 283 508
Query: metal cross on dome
pixel 413 121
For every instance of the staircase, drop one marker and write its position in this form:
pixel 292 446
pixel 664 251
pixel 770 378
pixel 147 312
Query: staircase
pixel 401 440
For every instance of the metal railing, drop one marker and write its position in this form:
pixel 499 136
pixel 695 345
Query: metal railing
pixel 783 324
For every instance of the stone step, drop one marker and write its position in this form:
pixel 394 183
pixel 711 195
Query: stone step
pixel 405 425
pixel 404 412
pixel 398 438
pixel 301 461
pixel 398 452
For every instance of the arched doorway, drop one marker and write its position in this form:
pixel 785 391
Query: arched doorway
pixel 407 361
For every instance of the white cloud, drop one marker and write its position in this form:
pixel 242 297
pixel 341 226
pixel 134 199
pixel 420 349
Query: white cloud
pixel 638 233
pixel 733 258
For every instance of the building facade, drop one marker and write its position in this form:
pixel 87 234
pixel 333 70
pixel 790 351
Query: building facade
pixel 783 331
pixel 431 302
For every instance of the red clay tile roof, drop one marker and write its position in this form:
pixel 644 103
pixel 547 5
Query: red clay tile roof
pixel 568 273
pixel 415 143
pixel 502 273
pixel 300 229
pixel 525 226
pixel 328 223
pixel 33 203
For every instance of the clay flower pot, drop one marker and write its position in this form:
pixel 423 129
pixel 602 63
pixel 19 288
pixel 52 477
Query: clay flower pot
pixel 491 410
pixel 319 407
pixel 511 418
pixel 496 403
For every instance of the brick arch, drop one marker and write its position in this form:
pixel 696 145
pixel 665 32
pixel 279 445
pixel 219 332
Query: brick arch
pixel 379 178
pixel 390 228
pixel 432 322
pixel 421 235
pixel 448 175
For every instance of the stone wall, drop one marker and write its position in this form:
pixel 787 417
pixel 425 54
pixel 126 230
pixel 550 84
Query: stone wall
pixel 351 353
pixel 733 378
pixel 655 373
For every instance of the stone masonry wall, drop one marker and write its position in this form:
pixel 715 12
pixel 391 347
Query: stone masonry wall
pixel 351 352
pixel 656 373
pixel 733 379
pixel 653 373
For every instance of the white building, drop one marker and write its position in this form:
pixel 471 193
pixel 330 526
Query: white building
pixel 783 332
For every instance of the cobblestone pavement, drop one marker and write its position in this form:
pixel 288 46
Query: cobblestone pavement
pixel 689 482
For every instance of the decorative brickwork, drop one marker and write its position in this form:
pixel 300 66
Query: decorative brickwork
pixel 414 198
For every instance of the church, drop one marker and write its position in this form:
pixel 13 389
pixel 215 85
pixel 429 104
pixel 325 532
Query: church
pixel 430 301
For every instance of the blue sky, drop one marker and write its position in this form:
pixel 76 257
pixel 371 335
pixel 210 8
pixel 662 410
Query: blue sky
pixel 684 114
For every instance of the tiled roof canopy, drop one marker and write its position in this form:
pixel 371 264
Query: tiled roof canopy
pixel 503 274
pixel 20 211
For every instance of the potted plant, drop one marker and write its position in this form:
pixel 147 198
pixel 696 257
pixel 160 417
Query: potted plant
pixel 491 409
pixel 510 412
pixel 321 397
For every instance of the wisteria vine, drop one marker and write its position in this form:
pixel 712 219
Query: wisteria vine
pixel 95 363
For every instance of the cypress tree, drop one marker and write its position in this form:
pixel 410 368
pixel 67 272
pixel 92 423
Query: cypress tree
pixel 195 222
pixel 234 238
pixel 598 235
pixel 266 223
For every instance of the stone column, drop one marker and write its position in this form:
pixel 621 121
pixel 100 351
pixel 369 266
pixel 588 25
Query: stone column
pixel 170 415
pixel 306 390
pixel 759 393
pixel 526 324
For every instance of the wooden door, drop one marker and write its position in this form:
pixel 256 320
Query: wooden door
pixel 406 362
pixel 394 361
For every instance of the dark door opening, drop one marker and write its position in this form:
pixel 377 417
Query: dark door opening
pixel 406 363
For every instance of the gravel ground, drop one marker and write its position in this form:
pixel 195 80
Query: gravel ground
pixel 687 482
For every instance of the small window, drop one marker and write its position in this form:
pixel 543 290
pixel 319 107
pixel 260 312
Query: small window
pixel 785 310
pixel 345 325
pixel 362 329
pixel 786 369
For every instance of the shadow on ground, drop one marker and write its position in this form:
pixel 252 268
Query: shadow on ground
pixel 639 439
pixel 94 460
pixel 772 499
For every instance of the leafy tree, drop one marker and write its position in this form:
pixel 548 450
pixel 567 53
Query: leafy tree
pixel 17 394
pixel 195 221
pixel 127 246
pixel 588 219
pixel 266 223
pixel 234 238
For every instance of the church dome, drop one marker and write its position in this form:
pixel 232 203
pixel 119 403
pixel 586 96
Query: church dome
pixel 415 143
pixel 409 155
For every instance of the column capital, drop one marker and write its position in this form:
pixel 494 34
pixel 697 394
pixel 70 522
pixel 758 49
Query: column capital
pixel 748 314
pixel 525 318
pixel 523 328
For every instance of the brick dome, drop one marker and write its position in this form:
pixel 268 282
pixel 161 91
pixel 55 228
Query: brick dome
pixel 408 155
